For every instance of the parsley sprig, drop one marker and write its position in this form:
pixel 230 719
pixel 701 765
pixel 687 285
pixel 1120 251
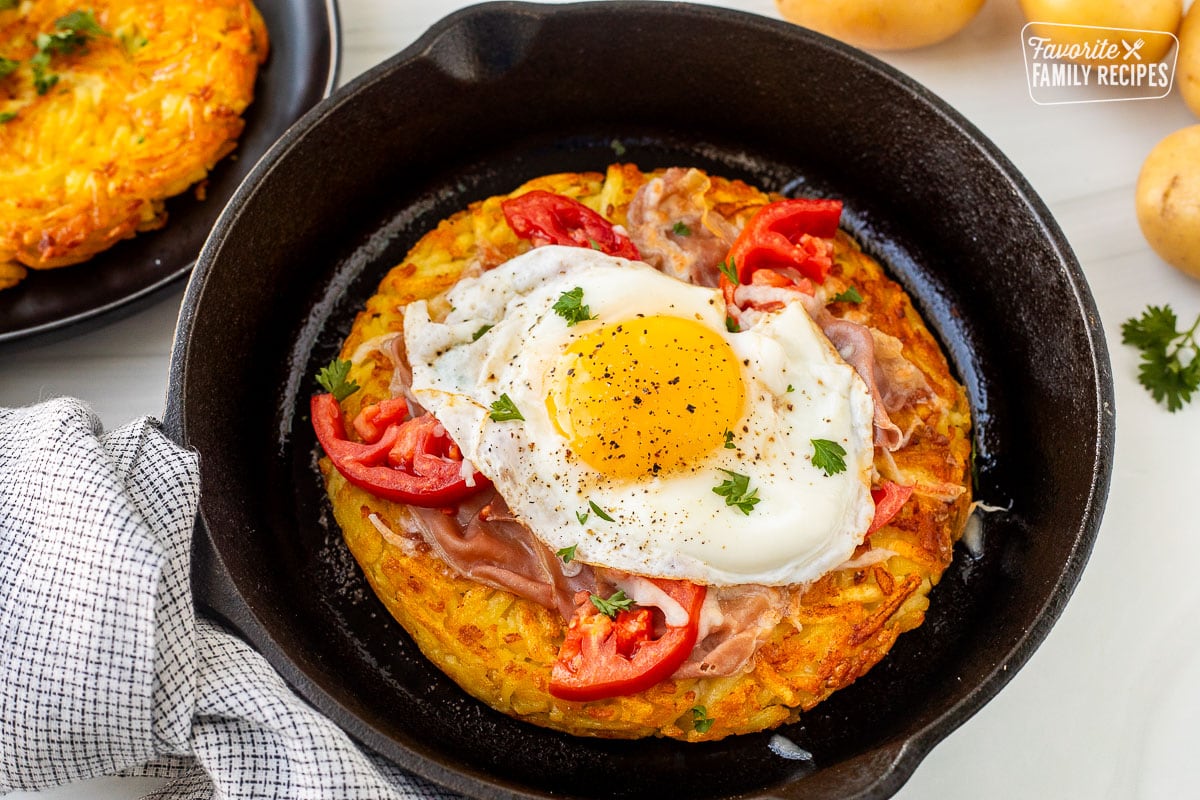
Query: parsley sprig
pixel 333 379
pixel 730 271
pixel 505 409
pixel 701 721
pixel 1170 368
pixel 829 456
pixel 736 491
pixel 611 606
pixel 850 295
pixel 570 307
pixel 567 554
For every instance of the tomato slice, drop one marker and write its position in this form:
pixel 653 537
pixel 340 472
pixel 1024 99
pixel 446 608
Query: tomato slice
pixel 547 218
pixel 603 657
pixel 889 498
pixel 412 461
pixel 788 234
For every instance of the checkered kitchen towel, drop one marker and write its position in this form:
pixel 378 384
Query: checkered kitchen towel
pixel 104 666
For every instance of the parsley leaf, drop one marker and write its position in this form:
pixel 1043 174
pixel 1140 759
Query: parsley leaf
pixel 829 456
pixel 43 81
pixel 729 445
pixel 567 554
pixel 851 295
pixel 731 326
pixel 7 116
pixel 598 511
pixel 582 516
pixel 701 721
pixel 729 270
pixel 8 66
pixel 333 379
pixel 570 307
pixel 1170 368
pixel 505 409
pixel 610 607
pixel 475 336
pixel 7 4
pixel 681 229
pixel 736 491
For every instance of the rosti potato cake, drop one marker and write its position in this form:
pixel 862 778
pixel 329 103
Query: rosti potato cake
pixel 109 107
pixel 445 570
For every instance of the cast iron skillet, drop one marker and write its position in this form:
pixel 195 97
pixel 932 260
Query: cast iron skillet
pixel 499 93
pixel 301 69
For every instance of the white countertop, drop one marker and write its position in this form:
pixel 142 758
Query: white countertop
pixel 1107 707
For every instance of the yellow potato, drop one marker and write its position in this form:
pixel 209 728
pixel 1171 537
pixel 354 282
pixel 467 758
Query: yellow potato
pixel 1140 15
pixel 1168 199
pixel 1187 74
pixel 882 24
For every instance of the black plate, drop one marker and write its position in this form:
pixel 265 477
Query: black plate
pixel 301 69
pixel 498 93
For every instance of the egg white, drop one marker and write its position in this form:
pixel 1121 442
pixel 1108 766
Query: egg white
pixel 673 525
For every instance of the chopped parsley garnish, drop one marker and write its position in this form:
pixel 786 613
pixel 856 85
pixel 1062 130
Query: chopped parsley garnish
pixel 567 554
pixel 7 116
pixel 851 295
pixel 5 5
pixel 701 721
pixel 72 33
pixel 8 66
pixel 681 229
pixel 731 326
pixel 829 456
pixel 729 445
pixel 729 270
pixel 43 81
pixel 791 388
pixel 598 511
pixel 582 516
pixel 736 491
pixel 333 379
pixel 610 607
pixel 505 409
pixel 570 307
pixel 1170 365
pixel 475 336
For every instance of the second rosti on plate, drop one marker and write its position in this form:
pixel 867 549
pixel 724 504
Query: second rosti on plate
pixel 108 108
pixel 820 636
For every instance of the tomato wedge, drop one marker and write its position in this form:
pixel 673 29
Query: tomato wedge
pixel 547 218
pixel 412 461
pixel 788 234
pixel 604 657
pixel 889 498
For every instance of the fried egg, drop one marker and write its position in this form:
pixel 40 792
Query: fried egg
pixel 618 416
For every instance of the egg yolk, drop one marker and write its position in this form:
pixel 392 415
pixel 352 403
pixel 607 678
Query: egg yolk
pixel 647 396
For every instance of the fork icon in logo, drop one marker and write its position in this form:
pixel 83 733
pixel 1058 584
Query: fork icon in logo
pixel 1132 49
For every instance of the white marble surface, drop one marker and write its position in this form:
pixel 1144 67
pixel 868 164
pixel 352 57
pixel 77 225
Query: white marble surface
pixel 1107 707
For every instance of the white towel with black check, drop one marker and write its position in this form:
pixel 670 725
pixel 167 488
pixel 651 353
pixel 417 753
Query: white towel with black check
pixel 105 668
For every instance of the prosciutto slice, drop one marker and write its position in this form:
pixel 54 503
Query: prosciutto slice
pixel 732 632
pixel 483 541
pixel 674 229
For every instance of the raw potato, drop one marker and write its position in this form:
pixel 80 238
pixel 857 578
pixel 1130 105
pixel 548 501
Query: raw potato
pixel 1168 199
pixel 1141 15
pixel 1187 74
pixel 882 24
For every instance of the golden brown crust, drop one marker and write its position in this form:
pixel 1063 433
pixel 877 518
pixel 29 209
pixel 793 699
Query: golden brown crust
pixel 500 648
pixel 135 117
